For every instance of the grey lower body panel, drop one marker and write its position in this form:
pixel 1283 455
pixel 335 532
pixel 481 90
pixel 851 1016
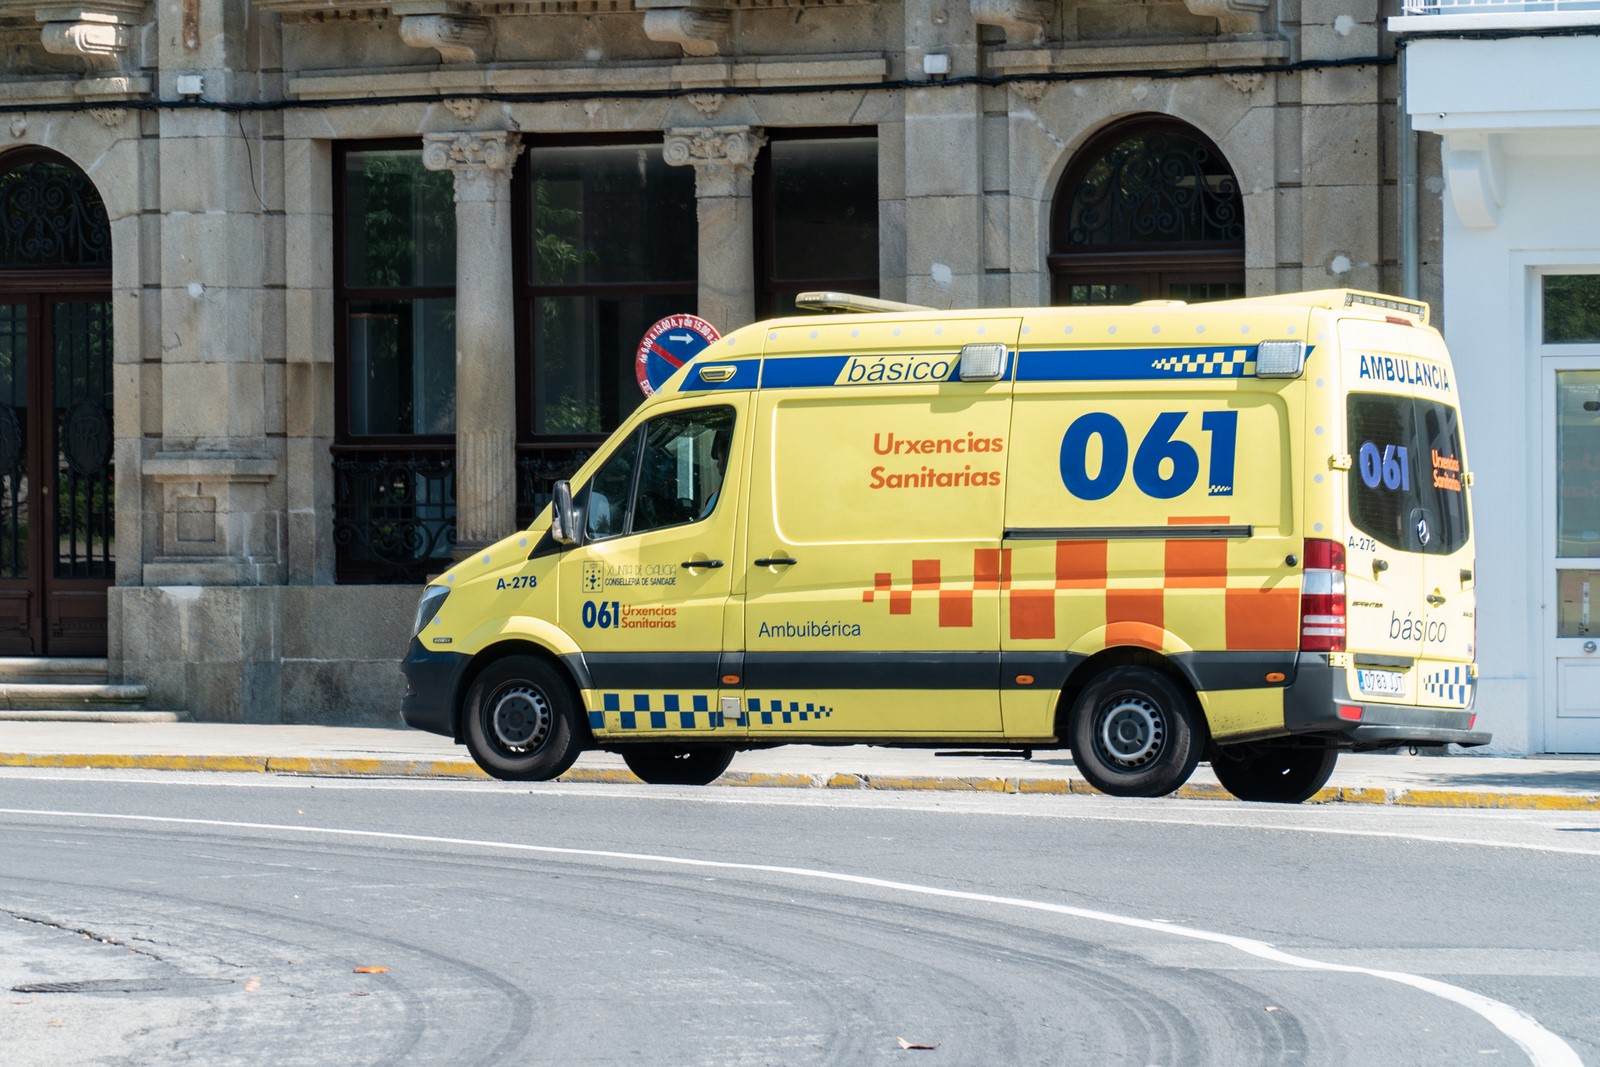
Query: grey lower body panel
pixel 432 679
pixel 1311 706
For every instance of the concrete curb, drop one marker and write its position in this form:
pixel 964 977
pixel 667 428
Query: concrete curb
pixel 367 767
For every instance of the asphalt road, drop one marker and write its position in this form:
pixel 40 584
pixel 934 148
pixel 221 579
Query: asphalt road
pixel 209 919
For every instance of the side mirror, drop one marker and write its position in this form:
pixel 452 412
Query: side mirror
pixel 564 520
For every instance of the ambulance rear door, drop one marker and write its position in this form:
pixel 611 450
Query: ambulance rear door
pixel 876 497
pixel 1395 527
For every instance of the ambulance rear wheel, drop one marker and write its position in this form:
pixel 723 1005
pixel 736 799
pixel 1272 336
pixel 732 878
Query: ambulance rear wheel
pixel 1273 775
pixel 1134 733
pixel 677 764
pixel 522 721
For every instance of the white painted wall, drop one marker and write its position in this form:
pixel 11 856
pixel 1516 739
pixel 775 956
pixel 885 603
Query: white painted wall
pixel 1521 131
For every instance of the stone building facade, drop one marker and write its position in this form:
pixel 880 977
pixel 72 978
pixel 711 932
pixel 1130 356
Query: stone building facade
pixel 377 270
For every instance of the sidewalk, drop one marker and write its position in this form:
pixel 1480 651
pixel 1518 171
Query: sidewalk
pixel 1455 781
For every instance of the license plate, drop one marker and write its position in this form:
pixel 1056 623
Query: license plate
pixel 1385 683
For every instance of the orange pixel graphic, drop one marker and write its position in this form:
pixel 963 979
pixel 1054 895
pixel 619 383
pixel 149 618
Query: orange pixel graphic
pixel 1254 618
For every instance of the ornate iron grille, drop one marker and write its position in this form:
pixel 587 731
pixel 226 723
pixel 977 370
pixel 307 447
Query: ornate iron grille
pixel 51 216
pixel 1156 188
pixel 395 508
pixel 539 468
pixel 394 514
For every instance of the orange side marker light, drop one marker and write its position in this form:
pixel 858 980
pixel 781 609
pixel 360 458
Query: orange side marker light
pixel 1024 679
pixel 1275 676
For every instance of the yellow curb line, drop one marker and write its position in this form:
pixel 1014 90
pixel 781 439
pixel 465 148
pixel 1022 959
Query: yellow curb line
pixel 316 766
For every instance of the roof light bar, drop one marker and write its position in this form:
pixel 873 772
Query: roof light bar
pixel 825 300
pixel 1410 307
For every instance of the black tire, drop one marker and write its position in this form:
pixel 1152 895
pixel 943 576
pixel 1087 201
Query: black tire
pixel 522 721
pixel 677 764
pixel 1269 775
pixel 1134 733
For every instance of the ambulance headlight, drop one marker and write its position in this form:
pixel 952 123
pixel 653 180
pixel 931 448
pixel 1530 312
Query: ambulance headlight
pixel 983 363
pixel 432 600
pixel 1280 359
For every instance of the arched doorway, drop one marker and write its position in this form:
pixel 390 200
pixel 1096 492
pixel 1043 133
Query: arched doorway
pixel 57 545
pixel 1148 209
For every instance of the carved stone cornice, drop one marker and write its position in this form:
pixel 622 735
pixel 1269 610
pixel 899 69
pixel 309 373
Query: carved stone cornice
pixel 1233 16
pixel 458 38
pixel 699 27
pixel 481 162
pixel 100 32
pixel 1023 21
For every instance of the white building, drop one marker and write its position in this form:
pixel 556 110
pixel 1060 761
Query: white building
pixel 1512 89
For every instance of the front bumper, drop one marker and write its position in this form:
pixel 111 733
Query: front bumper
pixel 433 683
pixel 1311 706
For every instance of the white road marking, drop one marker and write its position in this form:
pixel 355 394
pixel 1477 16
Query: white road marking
pixel 1200 813
pixel 1543 1048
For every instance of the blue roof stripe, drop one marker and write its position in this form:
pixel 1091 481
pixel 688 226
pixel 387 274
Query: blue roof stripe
pixel 794 372
pixel 1122 364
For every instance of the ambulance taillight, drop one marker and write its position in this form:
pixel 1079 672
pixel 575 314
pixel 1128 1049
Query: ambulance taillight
pixel 1322 605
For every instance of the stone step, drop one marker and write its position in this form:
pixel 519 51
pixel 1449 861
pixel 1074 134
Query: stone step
pixel 66 696
pixel 52 669
pixel 71 715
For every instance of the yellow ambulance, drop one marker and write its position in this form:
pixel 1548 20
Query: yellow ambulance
pixel 1156 534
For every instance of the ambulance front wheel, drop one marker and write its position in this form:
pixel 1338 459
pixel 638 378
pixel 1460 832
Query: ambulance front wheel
pixel 677 764
pixel 1134 733
pixel 522 721
pixel 1273 775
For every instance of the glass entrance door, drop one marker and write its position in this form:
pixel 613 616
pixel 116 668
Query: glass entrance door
pixel 1572 702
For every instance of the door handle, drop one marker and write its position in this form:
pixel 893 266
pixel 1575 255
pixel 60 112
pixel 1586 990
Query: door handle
pixel 1435 599
pixel 708 564
pixel 776 561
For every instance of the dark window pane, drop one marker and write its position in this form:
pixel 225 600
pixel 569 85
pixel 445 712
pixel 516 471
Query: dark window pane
pixel 1405 488
pixel 402 366
pixel 583 358
pixel 399 220
pixel 612 213
pixel 14 441
pixel 1572 309
pixel 1200 292
pixel 1104 294
pixel 825 208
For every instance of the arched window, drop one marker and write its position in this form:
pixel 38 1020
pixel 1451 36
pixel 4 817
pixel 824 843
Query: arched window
pixel 1149 209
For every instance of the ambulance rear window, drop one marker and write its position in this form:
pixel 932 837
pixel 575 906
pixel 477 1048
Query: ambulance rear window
pixel 1406 486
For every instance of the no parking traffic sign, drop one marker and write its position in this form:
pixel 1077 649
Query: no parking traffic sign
pixel 668 345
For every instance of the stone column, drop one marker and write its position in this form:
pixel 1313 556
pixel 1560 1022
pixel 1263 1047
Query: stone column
pixel 724 159
pixel 486 406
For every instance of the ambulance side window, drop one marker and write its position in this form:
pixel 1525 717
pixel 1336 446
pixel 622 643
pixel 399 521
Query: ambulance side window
pixel 684 458
pixel 607 496
pixel 667 473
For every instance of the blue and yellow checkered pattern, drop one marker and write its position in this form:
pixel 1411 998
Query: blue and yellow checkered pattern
pixel 675 711
pixel 775 713
pixel 667 711
pixel 1227 364
pixel 1453 684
